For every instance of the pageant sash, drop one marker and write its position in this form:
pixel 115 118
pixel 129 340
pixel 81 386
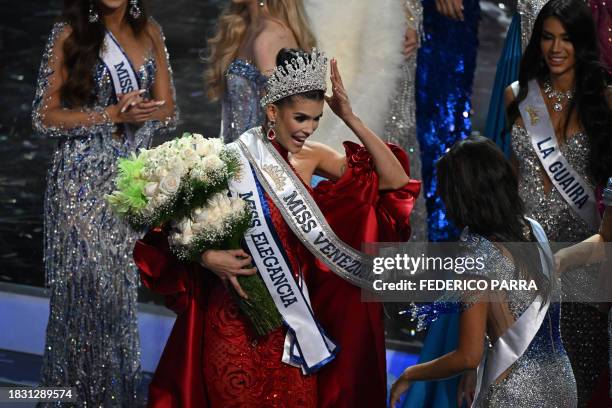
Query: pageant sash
pixel 306 345
pixel 573 188
pixel 301 213
pixel 121 70
pixel 515 341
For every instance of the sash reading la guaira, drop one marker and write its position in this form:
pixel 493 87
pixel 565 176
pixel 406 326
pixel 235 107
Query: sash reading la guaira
pixel 572 187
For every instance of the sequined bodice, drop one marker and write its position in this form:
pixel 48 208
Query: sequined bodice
pixel 499 267
pixel 529 10
pixel 104 93
pixel 560 222
pixel 244 87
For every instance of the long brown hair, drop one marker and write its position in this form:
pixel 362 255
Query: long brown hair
pixel 232 25
pixel 82 47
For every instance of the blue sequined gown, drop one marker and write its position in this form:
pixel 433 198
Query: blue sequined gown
pixel 244 88
pixel 446 63
pixel 92 339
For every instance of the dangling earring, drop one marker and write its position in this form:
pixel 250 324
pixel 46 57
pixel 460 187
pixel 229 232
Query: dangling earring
pixel 134 9
pixel 271 133
pixel 261 3
pixel 93 14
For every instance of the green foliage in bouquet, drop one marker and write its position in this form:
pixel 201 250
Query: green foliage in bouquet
pixel 130 194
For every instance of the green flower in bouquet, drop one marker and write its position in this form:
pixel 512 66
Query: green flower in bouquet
pixel 166 182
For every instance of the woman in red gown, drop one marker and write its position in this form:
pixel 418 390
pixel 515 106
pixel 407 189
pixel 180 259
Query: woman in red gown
pixel 212 358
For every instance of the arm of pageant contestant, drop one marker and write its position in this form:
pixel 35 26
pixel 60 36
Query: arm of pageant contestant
pixel 592 249
pixel 332 164
pixel 56 117
pixel 163 93
pixel 467 355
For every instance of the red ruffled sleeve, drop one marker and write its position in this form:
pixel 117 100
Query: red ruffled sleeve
pixel 357 210
pixel 178 381
pixel 162 273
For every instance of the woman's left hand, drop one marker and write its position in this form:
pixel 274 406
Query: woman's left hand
pixel 399 387
pixel 338 101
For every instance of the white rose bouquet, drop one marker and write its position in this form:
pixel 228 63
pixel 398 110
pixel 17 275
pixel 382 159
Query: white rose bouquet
pixel 168 181
pixel 182 185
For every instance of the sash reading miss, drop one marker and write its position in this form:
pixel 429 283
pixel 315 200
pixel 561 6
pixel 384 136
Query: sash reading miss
pixel 307 223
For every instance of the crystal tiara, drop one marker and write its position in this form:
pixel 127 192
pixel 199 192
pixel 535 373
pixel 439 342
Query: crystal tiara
pixel 299 76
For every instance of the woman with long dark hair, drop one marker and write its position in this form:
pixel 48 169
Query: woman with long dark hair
pixel 526 364
pixel 104 90
pixel 561 120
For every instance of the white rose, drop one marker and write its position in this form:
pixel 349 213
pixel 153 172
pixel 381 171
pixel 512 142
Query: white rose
pixel 227 202
pixel 184 226
pixel 186 238
pixel 203 147
pixel 177 167
pixel 190 157
pixel 237 205
pixel 170 184
pixel 198 227
pixel 161 172
pixel 216 201
pixel 175 238
pixel 212 163
pixel 150 189
pixel 217 145
pixel 200 215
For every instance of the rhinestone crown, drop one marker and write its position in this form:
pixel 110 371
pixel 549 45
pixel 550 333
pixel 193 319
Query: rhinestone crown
pixel 301 75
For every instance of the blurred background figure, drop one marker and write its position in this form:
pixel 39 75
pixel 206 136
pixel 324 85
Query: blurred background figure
pixel 242 53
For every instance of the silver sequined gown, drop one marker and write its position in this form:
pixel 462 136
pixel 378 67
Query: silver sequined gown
pixel 92 338
pixel 240 110
pixel 584 329
pixel 542 376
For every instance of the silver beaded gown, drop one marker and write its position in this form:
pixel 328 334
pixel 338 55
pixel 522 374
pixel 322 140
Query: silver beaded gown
pixel 92 340
pixel 542 376
pixel 240 109
pixel 584 329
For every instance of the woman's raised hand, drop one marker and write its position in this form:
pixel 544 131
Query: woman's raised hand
pixel 228 265
pixel 338 101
